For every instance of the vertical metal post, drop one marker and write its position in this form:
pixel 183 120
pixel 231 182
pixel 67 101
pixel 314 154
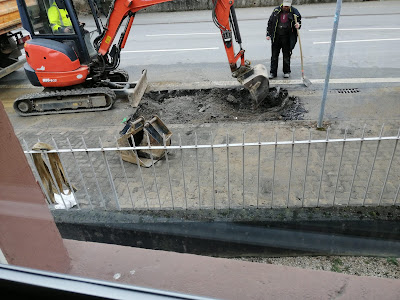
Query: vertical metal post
pixel 169 174
pixel 373 165
pixel 80 174
pixel 356 167
pixel 154 169
pixel 330 59
pixel 124 171
pixel 291 167
pixel 110 177
pixel 94 173
pixel 323 165
pixel 259 167
pixel 390 166
pixel 227 163
pixel 140 170
pixel 273 174
pixel 340 166
pixel 66 174
pixel 183 170
pixel 305 172
pixel 396 196
pixel 213 167
pixel 243 169
pixel 197 168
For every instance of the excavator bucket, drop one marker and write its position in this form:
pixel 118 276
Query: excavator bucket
pixel 256 81
pixel 142 133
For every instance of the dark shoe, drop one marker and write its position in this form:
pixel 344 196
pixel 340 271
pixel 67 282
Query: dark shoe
pixel 286 75
pixel 271 76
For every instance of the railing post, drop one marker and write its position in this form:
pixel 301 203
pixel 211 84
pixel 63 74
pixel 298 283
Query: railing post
pixel 273 175
pixel 169 175
pixel 306 170
pixel 183 170
pixel 213 167
pixel 323 166
pixel 291 167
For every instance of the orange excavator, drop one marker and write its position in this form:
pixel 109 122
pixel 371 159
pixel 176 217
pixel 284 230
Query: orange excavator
pixel 82 75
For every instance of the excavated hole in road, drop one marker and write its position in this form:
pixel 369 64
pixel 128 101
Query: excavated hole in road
pixel 219 105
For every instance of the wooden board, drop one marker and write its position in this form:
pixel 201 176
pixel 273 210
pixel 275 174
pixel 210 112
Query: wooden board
pixel 9 16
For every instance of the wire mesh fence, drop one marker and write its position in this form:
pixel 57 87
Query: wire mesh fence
pixel 356 171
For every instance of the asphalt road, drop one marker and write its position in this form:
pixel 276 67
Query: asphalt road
pixel 189 44
pixel 187 47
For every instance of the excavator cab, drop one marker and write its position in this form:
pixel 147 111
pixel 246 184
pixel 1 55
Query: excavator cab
pixel 55 59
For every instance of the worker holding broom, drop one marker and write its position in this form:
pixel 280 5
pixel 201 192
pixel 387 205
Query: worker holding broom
pixel 282 28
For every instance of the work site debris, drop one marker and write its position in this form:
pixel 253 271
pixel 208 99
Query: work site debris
pixel 46 175
pixel 140 132
pixel 219 105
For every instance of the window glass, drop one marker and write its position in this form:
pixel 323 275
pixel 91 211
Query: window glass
pixel 42 11
pixel 38 16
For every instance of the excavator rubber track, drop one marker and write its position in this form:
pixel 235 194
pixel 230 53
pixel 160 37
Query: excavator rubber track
pixel 65 101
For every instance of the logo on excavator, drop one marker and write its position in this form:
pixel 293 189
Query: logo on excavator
pixel 108 39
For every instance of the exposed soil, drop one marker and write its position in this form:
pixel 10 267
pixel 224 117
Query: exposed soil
pixel 219 105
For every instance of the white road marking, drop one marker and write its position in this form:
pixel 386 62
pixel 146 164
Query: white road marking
pixel 184 34
pixel 359 41
pixel 359 80
pixel 170 50
pixel 356 29
pixel 339 81
pixel 274 82
pixel 183 85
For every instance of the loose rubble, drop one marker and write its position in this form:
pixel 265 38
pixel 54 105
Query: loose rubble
pixel 219 105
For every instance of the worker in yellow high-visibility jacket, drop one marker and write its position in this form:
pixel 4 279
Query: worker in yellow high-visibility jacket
pixel 58 18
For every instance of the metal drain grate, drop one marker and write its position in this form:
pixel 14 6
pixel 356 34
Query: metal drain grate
pixel 346 91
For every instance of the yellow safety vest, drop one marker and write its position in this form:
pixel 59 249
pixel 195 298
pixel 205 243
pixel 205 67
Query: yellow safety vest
pixel 58 17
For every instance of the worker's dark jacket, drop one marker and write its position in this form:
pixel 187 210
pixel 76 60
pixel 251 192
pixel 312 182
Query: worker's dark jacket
pixel 273 23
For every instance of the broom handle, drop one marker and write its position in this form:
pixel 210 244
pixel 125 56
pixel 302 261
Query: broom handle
pixel 301 50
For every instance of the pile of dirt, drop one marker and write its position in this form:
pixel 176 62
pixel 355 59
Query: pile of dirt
pixel 219 105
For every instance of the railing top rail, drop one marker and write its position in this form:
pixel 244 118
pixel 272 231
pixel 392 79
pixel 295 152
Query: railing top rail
pixel 209 146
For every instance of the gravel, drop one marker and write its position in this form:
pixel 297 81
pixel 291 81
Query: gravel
pixel 361 266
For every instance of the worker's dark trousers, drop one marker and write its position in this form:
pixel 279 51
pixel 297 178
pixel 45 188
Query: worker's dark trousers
pixel 281 42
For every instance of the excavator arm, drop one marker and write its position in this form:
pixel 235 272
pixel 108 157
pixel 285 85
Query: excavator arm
pixel 255 79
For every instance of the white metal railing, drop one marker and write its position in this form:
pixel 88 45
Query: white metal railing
pixel 292 173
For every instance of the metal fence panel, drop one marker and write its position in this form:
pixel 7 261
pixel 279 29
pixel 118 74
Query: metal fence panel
pixel 235 172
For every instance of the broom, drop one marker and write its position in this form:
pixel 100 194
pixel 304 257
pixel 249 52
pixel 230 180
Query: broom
pixel 305 80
